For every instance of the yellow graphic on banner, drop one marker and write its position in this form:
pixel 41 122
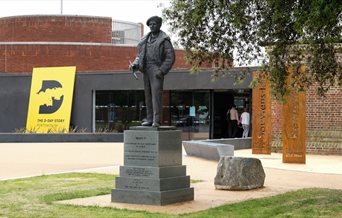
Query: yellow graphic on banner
pixel 51 96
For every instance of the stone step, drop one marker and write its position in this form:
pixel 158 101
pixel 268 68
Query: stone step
pixel 151 197
pixel 152 172
pixel 144 184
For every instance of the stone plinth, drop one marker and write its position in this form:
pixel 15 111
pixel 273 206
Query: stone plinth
pixel 153 172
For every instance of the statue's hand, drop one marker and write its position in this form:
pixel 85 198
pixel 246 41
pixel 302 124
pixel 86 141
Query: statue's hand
pixel 159 75
pixel 133 66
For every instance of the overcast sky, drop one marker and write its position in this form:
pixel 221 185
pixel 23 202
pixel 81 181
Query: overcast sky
pixel 137 11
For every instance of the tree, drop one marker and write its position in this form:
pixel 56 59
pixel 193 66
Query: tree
pixel 293 31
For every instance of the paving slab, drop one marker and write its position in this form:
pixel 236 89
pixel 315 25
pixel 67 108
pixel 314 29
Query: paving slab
pixel 19 160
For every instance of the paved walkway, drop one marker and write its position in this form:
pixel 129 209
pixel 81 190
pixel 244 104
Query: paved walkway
pixel 18 160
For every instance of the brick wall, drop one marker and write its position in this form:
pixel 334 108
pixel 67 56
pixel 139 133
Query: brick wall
pixel 55 29
pixel 323 120
pixel 81 41
pixel 322 113
pixel 86 57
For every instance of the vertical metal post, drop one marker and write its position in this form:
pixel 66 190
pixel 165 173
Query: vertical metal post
pixel 61 6
pixel 211 112
pixel 93 120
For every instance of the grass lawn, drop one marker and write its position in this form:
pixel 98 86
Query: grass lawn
pixel 34 197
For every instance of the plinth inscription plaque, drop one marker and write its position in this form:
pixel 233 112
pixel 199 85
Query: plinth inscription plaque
pixel 152 172
pixel 143 148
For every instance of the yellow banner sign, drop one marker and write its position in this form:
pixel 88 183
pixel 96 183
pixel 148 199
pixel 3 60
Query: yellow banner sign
pixel 51 96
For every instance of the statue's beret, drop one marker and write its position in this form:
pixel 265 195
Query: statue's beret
pixel 159 20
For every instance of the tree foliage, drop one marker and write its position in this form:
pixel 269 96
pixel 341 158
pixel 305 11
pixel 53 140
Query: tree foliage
pixel 293 31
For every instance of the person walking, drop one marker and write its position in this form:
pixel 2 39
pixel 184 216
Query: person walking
pixel 245 120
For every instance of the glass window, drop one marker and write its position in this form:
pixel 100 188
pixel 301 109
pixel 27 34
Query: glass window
pixel 118 110
pixel 190 113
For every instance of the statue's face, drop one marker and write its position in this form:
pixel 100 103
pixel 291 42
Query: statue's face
pixel 154 27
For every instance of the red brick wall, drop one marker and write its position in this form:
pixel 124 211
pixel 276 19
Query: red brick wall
pixel 323 121
pixel 22 58
pixel 180 60
pixel 86 57
pixel 42 41
pixel 322 113
pixel 55 29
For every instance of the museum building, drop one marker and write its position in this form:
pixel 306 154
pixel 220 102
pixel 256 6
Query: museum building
pixel 106 95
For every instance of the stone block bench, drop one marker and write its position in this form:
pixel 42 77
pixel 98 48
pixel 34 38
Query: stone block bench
pixel 216 148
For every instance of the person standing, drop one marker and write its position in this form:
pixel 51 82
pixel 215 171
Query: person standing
pixel 245 120
pixel 234 121
pixel 111 116
pixel 155 59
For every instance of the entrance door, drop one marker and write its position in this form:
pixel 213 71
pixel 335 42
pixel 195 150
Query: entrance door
pixel 223 100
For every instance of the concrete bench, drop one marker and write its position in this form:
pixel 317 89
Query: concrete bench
pixel 214 149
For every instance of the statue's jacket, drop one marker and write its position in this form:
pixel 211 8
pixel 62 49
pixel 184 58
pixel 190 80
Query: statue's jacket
pixel 163 52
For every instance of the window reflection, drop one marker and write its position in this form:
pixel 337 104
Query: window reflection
pixel 190 113
pixel 116 111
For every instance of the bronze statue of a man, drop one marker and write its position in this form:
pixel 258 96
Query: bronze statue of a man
pixel 155 58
